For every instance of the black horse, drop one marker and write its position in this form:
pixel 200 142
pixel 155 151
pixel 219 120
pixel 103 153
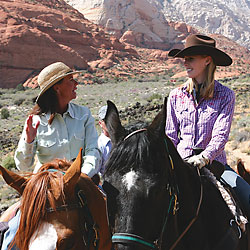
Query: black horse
pixel 158 201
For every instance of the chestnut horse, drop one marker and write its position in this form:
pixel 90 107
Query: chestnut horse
pixel 158 201
pixel 61 208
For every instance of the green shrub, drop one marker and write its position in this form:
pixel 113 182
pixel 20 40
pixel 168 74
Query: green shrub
pixel 155 96
pixel 19 101
pixel 156 78
pixel 20 87
pixel 5 113
pixel 9 162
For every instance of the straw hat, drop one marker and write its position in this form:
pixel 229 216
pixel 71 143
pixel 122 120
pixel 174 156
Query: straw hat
pixel 202 45
pixel 52 74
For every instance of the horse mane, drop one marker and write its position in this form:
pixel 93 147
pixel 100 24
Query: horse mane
pixel 130 152
pixel 37 196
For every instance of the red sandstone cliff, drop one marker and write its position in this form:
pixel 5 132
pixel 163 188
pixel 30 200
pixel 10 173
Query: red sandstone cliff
pixel 34 34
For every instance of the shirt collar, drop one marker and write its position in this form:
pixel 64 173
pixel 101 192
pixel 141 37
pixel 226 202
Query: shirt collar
pixel 69 111
pixel 184 88
pixel 216 86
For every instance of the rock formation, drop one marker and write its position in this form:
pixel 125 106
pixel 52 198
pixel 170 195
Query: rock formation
pixel 149 19
pixel 138 22
pixel 37 33
pixel 230 18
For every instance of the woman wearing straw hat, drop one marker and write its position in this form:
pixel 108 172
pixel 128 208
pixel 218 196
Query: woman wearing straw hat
pixel 56 127
pixel 200 112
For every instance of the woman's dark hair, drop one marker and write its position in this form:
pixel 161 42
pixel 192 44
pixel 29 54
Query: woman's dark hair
pixel 47 102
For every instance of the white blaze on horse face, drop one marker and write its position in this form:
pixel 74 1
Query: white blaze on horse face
pixel 129 179
pixel 45 238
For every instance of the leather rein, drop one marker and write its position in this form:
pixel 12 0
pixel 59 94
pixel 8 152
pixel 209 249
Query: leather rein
pixel 128 238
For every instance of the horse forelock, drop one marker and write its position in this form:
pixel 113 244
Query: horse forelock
pixel 131 153
pixel 59 164
pixel 38 194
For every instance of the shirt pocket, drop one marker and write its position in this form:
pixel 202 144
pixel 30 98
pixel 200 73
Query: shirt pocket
pixel 183 114
pixel 47 146
pixel 209 115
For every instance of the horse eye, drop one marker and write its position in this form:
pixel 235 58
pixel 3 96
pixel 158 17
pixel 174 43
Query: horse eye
pixel 66 243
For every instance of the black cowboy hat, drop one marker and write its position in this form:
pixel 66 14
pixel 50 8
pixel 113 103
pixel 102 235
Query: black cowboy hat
pixel 202 45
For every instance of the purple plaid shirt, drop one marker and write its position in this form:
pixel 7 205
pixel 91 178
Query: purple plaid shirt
pixel 206 125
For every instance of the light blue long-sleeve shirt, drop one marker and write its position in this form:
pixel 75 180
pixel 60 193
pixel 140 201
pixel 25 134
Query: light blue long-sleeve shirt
pixel 62 139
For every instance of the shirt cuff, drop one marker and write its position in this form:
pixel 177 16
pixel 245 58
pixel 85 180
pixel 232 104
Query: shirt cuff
pixel 88 169
pixel 28 148
pixel 207 157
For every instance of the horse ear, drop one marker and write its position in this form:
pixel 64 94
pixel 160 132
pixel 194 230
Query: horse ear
pixel 72 175
pixel 157 127
pixel 240 168
pixel 112 120
pixel 14 180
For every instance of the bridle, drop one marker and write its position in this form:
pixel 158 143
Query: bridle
pixel 90 226
pixel 129 238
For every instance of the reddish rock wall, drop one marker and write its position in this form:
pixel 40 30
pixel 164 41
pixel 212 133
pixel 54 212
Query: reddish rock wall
pixel 35 34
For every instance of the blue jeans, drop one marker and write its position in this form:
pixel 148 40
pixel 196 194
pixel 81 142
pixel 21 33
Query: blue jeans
pixel 240 187
pixel 11 232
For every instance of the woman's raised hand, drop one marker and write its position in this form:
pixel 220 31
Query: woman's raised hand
pixel 30 130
